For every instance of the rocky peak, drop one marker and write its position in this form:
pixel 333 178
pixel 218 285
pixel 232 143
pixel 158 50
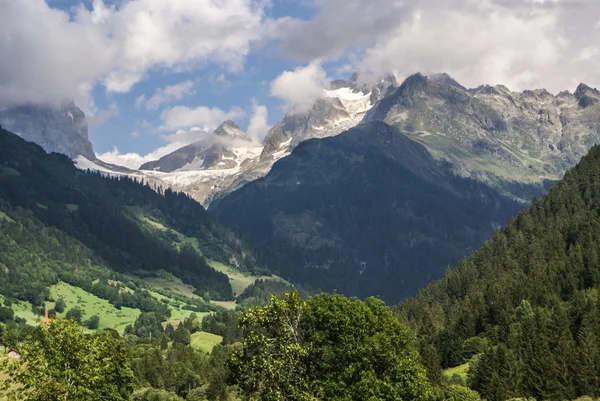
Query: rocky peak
pixel 382 87
pixel 586 95
pixel 230 129
pixel 413 86
pixel 60 129
pixel 445 79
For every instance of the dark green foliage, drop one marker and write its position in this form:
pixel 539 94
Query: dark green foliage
pixel 178 369
pixel 60 305
pixel 150 394
pixel 6 314
pixel 224 324
pixel 169 330
pixel 147 326
pixel 456 392
pixel 182 335
pixel 62 221
pixel 192 323
pixel 328 347
pixel 61 362
pixel 367 212
pixel 526 306
pixel 259 292
pixel 74 314
pixel 93 322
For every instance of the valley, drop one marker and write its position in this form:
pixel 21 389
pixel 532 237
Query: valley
pixel 289 200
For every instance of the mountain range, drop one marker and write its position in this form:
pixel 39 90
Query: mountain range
pixel 338 191
pixel 366 212
pixel 514 141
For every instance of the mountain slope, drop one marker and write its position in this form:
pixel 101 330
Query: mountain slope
pixel 493 134
pixel 97 213
pixel 367 212
pixel 526 303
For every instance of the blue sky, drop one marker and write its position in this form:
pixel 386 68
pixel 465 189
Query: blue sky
pixel 133 129
pixel 152 74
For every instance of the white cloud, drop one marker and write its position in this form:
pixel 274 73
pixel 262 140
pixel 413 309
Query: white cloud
pixel 205 117
pixel 97 117
pixel 520 43
pixel 259 122
pixel 520 52
pixel 134 160
pixel 301 87
pixel 165 95
pixel 50 54
pixel 340 25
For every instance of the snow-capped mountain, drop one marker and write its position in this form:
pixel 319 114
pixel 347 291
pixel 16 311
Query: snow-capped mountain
pixel 342 107
pixel 225 148
pixel 227 158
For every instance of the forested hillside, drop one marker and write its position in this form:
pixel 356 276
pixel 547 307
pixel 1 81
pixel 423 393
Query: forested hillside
pixel 59 223
pixel 525 308
pixel 367 212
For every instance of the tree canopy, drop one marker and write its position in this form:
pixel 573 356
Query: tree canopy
pixel 327 347
pixel 63 363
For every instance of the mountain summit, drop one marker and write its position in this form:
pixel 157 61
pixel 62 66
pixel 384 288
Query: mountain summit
pixel 222 149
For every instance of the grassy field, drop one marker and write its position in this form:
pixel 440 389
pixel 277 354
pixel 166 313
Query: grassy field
pixel 239 281
pixel 90 305
pixel 23 310
pixel 170 284
pixel 205 342
pixel 458 370
pixel 177 313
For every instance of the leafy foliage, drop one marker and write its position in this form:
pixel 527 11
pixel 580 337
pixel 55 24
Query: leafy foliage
pixel 64 363
pixel 328 347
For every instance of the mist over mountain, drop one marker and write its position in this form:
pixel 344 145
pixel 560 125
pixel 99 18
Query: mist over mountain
pixel 57 129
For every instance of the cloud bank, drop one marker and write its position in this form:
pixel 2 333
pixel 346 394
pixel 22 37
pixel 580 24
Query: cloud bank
pixel 520 43
pixel 50 54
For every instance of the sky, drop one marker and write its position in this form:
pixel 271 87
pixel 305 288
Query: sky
pixel 155 75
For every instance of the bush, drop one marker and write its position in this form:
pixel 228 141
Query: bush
pixel 150 394
pixel 455 392
pixel 60 305
pixel 74 314
pixel 93 322
pixel 6 314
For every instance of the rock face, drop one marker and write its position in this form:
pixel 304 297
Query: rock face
pixel 491 133
pixel 366 212
pixel 62 130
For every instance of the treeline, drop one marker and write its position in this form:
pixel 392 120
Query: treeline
pixel 525 308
